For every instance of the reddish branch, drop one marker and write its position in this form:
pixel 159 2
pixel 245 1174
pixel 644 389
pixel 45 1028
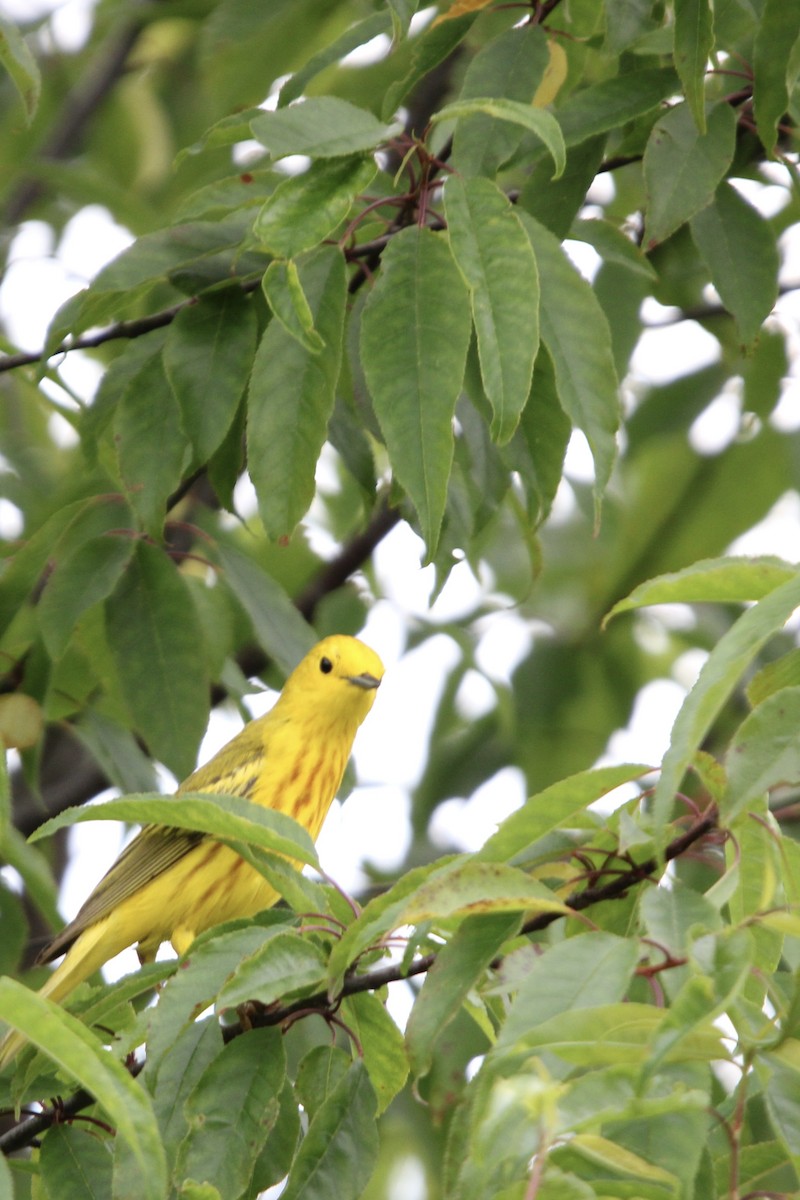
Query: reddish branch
pixel 578 901
pixel 24 1133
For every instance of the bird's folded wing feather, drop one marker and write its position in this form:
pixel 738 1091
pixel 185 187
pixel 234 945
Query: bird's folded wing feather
pixel 234 772
pixel 150 854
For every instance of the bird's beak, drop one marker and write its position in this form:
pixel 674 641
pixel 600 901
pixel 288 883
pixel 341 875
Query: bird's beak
pixel 365 681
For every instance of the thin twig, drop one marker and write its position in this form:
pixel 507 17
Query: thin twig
pixel 379 977
pixel 77 110
pixel 27 1130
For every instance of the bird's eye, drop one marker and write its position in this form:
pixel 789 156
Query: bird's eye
pixel 326 666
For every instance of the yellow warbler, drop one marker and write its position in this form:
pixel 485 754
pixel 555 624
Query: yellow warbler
pixel 170 884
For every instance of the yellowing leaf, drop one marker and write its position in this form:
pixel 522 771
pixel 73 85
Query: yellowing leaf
pixel 20 722
pixel 783 922
pixel 460 8
pixel 554 75
pixel 621 1161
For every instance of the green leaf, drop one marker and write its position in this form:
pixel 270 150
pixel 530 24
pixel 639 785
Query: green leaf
pixel 226 132
pixel 75 1164
pixel 459 964
pixel 321 1070
pixel 782 1097
pixel 348 436
pixel 83 578
pixel 621 291
pixel 433 46
pixel 703 998
pixel 538 447
pixel 158 257
pixel 764 751
pixel 683 168
pixel 777 32
pixel 321 127
pixel 763 373
pixel 414 339
pixel 608 1034
pixel 231 1112
pixel 116 751
pixel 555 806
pixel 281 631
pixel 694 42
pixel 555 203
pixel 6 1180
pixel 382 1045
pixel 494 255
pixel 35 871
pixel 300 893
pixel 155 639
pixel 610 104
pixel 276 1158
pixel 580 973
pixel 375 919
pixel 306 208
pixel 613 246
pixel 291 397
pixel 108 1003
pixel 712 581
pixel 150 443
pixel 155 256
pixel 227 818
pixel 223 196
pixel 120 376
pixel 21 65
pixel 732 654
pixel 535 120
pixel 77 1052
pixel 285 296
pixel 510 66
pixel 354 36
pixel 460 887
pixel 674 918
pixel 740 250
pixel 473 887
pixel 192 1190
pixel 207 358
pixel 402 11
pixel 783 672
pixel 15 926
pixel 337 1156
pixel 285 966
pixel 615 1160
pixel 214 955
pixel 575 331
pixel 179 1073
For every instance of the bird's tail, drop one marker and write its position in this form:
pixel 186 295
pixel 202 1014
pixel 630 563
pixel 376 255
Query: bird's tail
pixel 85 956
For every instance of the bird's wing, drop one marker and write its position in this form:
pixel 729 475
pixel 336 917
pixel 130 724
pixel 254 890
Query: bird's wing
pixel 234 771
pixel 152 852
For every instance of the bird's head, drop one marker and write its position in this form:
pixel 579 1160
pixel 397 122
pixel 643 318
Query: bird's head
pixel 338 677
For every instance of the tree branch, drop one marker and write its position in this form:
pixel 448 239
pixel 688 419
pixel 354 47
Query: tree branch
pixel 76 112
pixel 61 788
pixel 25 1131
pixel 578 901
pixel 704 312
pixel 120 329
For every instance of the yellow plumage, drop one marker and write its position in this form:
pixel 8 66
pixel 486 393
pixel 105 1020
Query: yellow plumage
pixel 171 884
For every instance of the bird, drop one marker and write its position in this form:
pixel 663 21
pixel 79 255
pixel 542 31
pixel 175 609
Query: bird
pixel 170 884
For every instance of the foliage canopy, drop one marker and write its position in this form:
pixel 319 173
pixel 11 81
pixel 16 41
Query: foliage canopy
pixel 347 288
